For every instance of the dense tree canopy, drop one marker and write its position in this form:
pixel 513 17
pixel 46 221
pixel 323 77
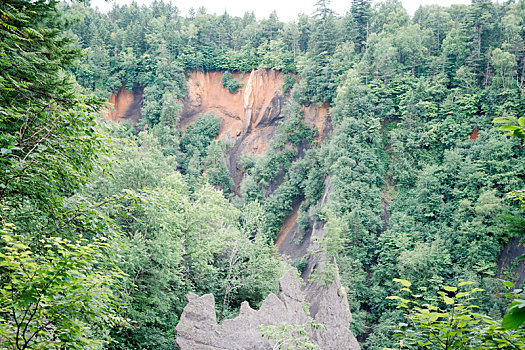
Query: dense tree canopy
pixel 105 228
pixel 57 268
pixel 417 173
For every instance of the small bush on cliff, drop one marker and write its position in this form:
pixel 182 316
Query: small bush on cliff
pixel 289 82
pixel 291 336
pixel 231 84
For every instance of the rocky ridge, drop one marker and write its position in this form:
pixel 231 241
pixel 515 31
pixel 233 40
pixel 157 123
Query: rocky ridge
pixel 198 328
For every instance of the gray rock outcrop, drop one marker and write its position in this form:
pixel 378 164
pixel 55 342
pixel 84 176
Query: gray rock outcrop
pixel 329 307
pixel 198 328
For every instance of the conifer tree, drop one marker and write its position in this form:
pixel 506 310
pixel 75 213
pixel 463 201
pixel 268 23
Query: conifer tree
pixel 360 13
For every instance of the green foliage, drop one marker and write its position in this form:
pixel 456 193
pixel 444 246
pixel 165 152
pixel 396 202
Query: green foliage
pixel 519 197
pixel 324 276
pixel 334 241
pixel 58 278
pixel 282 176
pixel 451 321
pixel 300 264
pixel 289 82
pixel 515 316
pixel 292 337
pixel 302 220
pixel 274 55
pixel 180 235
pixel 48 137
pixel 161 96
pixel 230 83
pixel 359 22
pixel 194 143
pixel 57 294
pixel 514 128
pixel 413 175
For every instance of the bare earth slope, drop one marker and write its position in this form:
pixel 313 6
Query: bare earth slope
pixel 250 117
pixel 125 105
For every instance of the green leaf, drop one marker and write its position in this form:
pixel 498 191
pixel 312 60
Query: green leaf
pixel 504 120
pixel 447 300
pixel 521 121
pixel 509 128
pixel 450 289
pixel 403 282
pixel 514 318
pixel 466 283
pixel 519 133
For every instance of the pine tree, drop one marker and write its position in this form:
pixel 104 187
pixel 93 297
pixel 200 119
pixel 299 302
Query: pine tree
pixel 479 25
pixel 360 13
pixel 321 47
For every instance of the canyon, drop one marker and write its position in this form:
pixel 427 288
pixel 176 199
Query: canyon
pixel 248 122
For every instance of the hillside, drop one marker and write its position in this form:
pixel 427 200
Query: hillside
pixel 375 148
pixel 376 155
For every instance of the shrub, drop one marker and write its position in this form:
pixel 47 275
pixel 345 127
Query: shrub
pixel 289 82
pixel 231 84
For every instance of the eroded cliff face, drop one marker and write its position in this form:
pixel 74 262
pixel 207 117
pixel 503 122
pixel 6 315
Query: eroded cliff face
pixel 249 117
pixel 252 114
pixel 125 105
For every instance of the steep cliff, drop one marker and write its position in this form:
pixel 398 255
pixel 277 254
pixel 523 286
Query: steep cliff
pixel 327 301
pixel 125 105
pixel 249 117
pixel 325 308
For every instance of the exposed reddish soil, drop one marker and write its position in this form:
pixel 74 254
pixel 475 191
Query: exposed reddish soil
pixel 288 226
pixel 316 116
pixel 250 114
pixel 474 135
pixel 125 105
pixel 249 117
pixel 205 93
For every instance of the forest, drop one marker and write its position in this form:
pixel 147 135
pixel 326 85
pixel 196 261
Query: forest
pixel 419 180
